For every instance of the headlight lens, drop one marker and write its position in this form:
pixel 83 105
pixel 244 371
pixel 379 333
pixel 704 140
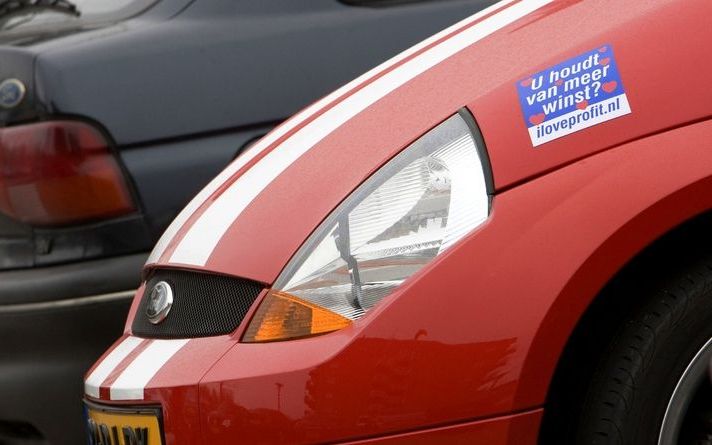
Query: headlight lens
pixel 414 208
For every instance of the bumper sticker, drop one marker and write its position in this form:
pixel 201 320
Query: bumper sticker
pixel 578 93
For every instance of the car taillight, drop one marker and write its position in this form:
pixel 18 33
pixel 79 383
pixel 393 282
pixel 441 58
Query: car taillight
pixel 59 172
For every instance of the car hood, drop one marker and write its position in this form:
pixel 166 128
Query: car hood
pixel 251 219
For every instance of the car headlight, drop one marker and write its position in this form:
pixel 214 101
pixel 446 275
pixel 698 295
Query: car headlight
pixel 410 211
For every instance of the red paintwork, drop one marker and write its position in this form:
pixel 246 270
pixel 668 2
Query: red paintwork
pixel 322 185
pixel 477 333
pixel 666 79
pixel 483 76
pixel 174 387
pixel 517 429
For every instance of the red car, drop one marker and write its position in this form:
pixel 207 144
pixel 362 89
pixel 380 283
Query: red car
pixel 500 236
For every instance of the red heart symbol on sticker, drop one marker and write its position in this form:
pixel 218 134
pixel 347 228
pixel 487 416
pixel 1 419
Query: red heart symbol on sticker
pixel 559 82
pixel 526 82
pixel 582 105
pixel 605 61
pixel 602 49
pixel 609 86
pixel 536 119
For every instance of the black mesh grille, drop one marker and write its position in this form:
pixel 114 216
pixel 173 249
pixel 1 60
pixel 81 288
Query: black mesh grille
pixel 204 305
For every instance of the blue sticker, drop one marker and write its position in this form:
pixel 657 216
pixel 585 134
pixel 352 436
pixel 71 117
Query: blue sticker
pixel 581 92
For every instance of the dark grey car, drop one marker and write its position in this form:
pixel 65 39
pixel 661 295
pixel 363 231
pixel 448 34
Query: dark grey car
pixel 113 113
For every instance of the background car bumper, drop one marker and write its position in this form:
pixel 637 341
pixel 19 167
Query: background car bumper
pixel 54 322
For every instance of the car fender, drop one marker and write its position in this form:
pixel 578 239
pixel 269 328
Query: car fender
pixel 641 191
pixel 526 277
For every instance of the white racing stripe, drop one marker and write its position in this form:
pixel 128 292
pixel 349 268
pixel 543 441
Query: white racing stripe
pixel 200 240
pixel 291 124
pixel 132 381
pixel 102 371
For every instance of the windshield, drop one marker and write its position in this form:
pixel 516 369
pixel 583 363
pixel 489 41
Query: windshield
pixel 20 14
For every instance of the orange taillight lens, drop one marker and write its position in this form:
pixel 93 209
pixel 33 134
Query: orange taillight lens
pixel 283 316
pixel 61 172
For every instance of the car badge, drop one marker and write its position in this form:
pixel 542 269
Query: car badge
pixel 159 302
pixel 12 91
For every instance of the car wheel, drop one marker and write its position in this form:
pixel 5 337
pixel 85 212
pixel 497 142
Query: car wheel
pixel 653 384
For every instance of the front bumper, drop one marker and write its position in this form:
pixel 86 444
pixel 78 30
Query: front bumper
pixel 516 429
pixel 325 389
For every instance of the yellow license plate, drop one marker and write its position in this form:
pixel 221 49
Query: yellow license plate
pixel 123 426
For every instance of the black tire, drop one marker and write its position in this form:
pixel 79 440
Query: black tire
pixel 636 378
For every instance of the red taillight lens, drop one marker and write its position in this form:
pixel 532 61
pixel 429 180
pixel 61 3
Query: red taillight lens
pixel 59 173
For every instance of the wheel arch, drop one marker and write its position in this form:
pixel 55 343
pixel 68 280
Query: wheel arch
pixel 607 312
pixel 676 222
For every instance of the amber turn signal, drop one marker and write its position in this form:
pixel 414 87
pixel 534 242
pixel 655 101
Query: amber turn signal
pixel 282 316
